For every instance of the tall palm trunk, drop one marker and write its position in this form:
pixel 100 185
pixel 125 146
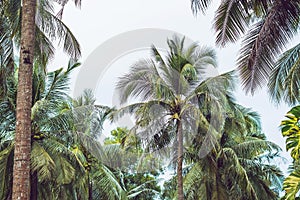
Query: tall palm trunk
pixel 21 170
pixel 179 161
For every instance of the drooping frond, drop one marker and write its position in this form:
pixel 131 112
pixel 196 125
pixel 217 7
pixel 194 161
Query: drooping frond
pixel 231 165
pixel 63 3
pixel 199 183
pixel 105 180
pixel 231 21
pixel 41 162
pixel 253 147
pixel 265 41
pixel 251 78
pixel 213 92
pixel 135 192
pixel 6 55
pixel 55 29
pixel 200 5
pixel 64 171
pixel 132 108
pixel 43 46
pixel 143 81
pixel 204 61
pixel 284 83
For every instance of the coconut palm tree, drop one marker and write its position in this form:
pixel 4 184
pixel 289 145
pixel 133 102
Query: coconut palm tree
pixel 171 90
pixel 49 100
pixel 21 171
pixel 268 24
pixel 65 154
pixel 240 168
pixel 24 30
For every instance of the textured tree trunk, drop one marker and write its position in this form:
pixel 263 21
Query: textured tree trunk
pixel 179 161
pixel 21 170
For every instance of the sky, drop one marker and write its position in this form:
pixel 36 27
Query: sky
pixel 100 23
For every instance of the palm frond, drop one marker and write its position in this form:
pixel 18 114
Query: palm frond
pixel 65 171
pixel 231 21
pixel 265 41
pixel 141 107
pixel 201 57
pixel 144 81
pixel 231 165
pixel 133 193
pixel 53 27
pixel 106 181
pixel 6 55
pixel 63 3
pixel 250 149
pixel 57 84
pixel 199 5
pixel 43 46
pixel 284 80
pixel 41 162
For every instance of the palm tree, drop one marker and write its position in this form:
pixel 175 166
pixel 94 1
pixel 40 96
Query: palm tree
pixel 240 168
pixel 48 96
pixel 272 24
pixel 27 35
pixel 64 156
pixel 21 172
pixel 171 91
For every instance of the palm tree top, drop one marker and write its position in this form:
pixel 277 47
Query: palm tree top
pixel 167 77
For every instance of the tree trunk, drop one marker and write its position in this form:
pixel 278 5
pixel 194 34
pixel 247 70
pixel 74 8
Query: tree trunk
pixel 179 161
pixel 90 187
pixel 21 170
pixel 34 186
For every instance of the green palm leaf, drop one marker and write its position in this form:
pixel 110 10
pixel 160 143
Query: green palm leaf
pixel 264 42
pixel 231 21
pixel 41 162
pixel 284 81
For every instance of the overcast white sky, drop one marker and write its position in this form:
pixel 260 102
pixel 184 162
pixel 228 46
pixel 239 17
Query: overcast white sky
pixel 98 21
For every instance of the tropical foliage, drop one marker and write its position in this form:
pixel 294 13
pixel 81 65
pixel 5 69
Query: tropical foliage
pixel 65 152
pixel 240 168
pixel 284 81
pixel 290 129
pixel 268 26
pixel 187 121
pixel 220 140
